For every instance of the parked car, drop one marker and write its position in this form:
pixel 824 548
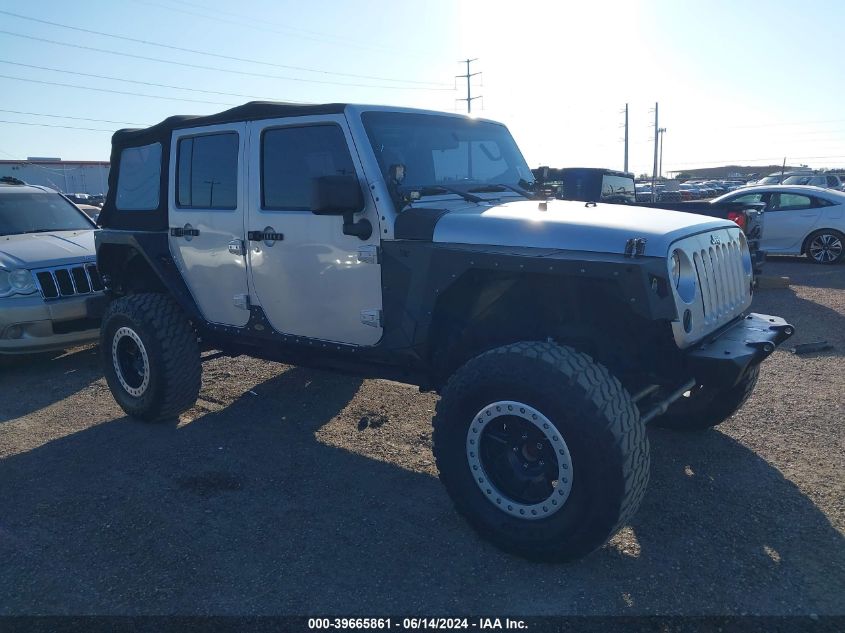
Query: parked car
pixel 47 270
pixel 825 181
pixel 392 242
pixel 800 220
pixel 692 192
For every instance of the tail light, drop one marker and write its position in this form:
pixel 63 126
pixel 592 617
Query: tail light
pixel 738 217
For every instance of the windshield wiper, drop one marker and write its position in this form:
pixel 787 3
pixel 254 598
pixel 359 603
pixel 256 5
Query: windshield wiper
pixel 431 190
pixel 499 186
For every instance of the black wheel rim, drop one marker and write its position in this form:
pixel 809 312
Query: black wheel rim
pixel 130 360
pixel 519 460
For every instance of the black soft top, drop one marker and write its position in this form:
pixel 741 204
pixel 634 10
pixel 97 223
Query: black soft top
pixel 156 219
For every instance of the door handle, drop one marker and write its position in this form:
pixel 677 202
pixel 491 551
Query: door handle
pixel 184 231
pixel 269 236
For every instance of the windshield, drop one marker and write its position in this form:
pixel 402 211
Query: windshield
pixel 446 151
pixel 798 180
pixel 39 213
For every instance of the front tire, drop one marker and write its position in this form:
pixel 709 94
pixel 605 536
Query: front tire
pixel 825 247
pixel 150 356
pixel 541 449
pixel 705 407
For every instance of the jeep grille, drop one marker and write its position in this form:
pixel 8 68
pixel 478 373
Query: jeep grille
pixel 721 279
pixel 68 281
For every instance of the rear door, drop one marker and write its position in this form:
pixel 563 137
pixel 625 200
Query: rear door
pixel 206 214
pixel 789 219
pixel 310 279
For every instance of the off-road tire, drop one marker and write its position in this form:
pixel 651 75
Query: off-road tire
pixel 170 342
pixel 594 415
pixel 706 407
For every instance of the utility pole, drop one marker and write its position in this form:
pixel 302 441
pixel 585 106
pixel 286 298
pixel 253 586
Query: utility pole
pixel 469 98
pixel 661 131
pixel 626 138
pixel 654 170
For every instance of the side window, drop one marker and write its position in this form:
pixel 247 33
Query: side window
pixel 789 202
pixel 207 171
pixel 139 178
pixel 293 157
pixel 832 181
pixel 748 198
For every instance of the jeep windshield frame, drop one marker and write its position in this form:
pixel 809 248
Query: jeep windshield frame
pixel 445 154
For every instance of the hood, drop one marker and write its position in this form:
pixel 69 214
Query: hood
pixel 570 225
pixel 39 250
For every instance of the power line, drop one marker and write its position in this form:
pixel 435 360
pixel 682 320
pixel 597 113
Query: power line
pixel 214 68
pixel 217 55
pixel 309 35
pixel 137 81
pixel 75 118
pixel 119 92
pixel 66 127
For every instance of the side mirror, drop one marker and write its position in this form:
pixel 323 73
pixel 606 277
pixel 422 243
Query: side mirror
pixel 341 195
pixel 336 195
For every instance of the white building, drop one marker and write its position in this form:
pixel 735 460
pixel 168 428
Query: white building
pixel 66 176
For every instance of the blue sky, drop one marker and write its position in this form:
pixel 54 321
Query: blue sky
pixel 740 81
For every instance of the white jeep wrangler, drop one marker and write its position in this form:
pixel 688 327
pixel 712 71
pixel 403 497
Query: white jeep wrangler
pixel 407 244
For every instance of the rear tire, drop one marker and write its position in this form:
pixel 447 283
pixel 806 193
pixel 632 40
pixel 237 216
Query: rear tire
pixel 562 461
pixel 706 407
pixel 825 247
pixel 150 356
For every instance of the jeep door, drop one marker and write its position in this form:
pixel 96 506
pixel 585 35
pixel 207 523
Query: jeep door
pixel 308 276
pixel 206 215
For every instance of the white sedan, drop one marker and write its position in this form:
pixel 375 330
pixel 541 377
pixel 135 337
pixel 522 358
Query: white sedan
pixel 799 220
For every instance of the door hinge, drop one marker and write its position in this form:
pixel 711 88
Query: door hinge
pixel 236 247
pixel 369 254
pixel 635 247
pixel 371 318
pixel 241 301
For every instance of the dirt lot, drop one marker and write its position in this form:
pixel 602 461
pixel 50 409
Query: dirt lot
pixel 290 491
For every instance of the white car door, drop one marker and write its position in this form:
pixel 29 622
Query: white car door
pixel 789 219
pixel 310 279
pixel 206 215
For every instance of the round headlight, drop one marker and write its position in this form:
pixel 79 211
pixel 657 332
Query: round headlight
pixel 18 282
pixel 676 268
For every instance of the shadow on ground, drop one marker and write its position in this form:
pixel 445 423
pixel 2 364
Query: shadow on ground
pixel 30 383
pixel 244 511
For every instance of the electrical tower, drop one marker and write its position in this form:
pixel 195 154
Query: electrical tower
pixel 654 169
pixel 661 131
pixel 469 98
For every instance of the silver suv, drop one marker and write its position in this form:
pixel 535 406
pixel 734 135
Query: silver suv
pixel 47 271
pixel 405 244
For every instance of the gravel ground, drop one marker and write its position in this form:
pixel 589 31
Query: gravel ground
pixel 291 491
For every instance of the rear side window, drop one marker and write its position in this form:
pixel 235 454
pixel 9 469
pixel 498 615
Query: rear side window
pixel 207 171
pixel 293 157
pixel 789 202
pixel 139 178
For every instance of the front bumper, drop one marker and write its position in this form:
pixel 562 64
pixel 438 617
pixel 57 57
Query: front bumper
pixel 30 324
pixel 725 357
